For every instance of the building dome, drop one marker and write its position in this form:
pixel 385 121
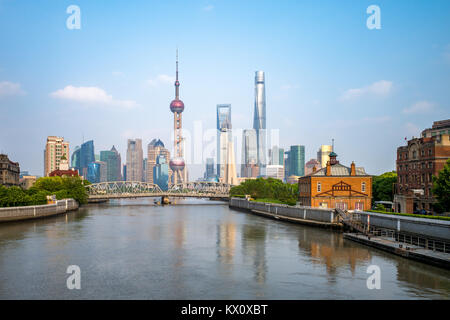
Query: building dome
pixel 176 164
pixel 177 106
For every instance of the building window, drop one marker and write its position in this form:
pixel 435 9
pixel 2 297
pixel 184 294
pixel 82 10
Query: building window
pixel 363 187
pixel 414 154
pixel 429 152
pixel 319 187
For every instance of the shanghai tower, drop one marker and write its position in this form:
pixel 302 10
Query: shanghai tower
pixel 259 120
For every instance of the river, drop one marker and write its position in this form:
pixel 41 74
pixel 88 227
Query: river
pixel 197 249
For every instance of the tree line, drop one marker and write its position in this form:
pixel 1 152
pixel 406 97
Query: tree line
pixel 61 187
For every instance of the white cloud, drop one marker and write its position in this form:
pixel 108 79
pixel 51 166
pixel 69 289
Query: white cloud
pixel 161 79
pixel 209 7
pixel 379 88
pixel 91 95
pixel 419 107
pixel 10 89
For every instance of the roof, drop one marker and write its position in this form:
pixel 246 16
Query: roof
pixel 340 170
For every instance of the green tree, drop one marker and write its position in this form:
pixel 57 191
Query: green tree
pixel 441 188
pixel 383 186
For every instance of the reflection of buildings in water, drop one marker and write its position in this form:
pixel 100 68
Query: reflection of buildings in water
pixel 179 238
pixel 329 249
pixel 253 246
pixel 226 242
pixel 423 276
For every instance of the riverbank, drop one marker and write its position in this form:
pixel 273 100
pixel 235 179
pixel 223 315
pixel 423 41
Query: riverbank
pixel 319 217
pixel 34 212
pixel 417 230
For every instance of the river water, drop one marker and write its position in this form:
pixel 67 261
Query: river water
pixel 197 249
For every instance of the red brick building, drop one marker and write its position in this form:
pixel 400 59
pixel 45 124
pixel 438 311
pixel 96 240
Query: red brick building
pixel 336 186
pixel 417 163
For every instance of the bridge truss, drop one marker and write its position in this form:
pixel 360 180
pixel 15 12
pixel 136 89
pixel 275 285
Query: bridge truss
pixel 134 189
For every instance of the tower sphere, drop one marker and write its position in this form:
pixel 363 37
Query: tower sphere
pixel 177 164
pixel 176 106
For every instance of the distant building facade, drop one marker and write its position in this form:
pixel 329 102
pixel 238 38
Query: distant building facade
pixel 249 167
pixel 55 148
pixel 161 172
pixel 155 149
pixel 223 136
pixel 336 186
pixel 113 164
pixel 323 155
pixel 87 156
pixel 27 181
pixel 134 160
pixel 417 163
pixel 9 171
pixel 275 171
pixel 97 172
pixel 311 166
pixel 297 161
pixel 259 121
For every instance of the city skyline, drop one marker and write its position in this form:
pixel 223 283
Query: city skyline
pixel 351 88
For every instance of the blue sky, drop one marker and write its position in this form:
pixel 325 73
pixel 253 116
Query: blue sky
pixel 327 75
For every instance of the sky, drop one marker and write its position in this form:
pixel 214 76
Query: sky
pixel 328 76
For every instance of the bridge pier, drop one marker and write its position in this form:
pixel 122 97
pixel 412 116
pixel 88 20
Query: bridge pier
pixel 165 200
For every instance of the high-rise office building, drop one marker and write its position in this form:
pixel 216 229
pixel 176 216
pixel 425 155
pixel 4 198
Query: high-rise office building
pixel 323 155
pixel 297 161
pixel 224 136
pixel 155 149
pixel 230 176
pixel 276 156
pixel 76 158
pixel 113 164
pixel 55 148
pixel 144 170
pixel 161 172
pixel 135 159
pixel 86 156
pixel 210 172
pixel 249 154
pixel 124 172
pixel 96 172
pixel 259 119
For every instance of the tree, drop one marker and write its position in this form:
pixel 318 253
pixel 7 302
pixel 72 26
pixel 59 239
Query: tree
pixel 441 188
pixel 383 186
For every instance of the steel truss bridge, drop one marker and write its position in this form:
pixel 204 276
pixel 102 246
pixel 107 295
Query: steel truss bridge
pixel 135 189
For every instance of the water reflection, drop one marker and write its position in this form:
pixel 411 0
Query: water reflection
pixel 254 248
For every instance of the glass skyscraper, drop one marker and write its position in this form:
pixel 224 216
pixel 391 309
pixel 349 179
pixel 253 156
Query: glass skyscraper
pixel 86 157
pixel 113 164
pixel 249 153
pixel 223 136
pixel 297 161
pixel 161 172
pixel 259 119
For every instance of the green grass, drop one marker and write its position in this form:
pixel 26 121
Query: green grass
pixel 412 215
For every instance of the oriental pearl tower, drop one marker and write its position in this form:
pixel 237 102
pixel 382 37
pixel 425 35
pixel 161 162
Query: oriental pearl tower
pixel 177 162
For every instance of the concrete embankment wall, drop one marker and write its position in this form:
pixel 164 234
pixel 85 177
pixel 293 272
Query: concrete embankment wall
pixel 32 212
pixel 325 217
pixel 432 228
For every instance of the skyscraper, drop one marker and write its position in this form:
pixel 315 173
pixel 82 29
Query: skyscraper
pixel 323 155
pixel 297 161
pixel 76 158
pixel 134 160
pixel 259 119
pixel 86 156
pixel 249 153
pixel 113 164
pixel 160 174
pixel 55 148
pixel 96 172
pixel 155 149
pixel 223 136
